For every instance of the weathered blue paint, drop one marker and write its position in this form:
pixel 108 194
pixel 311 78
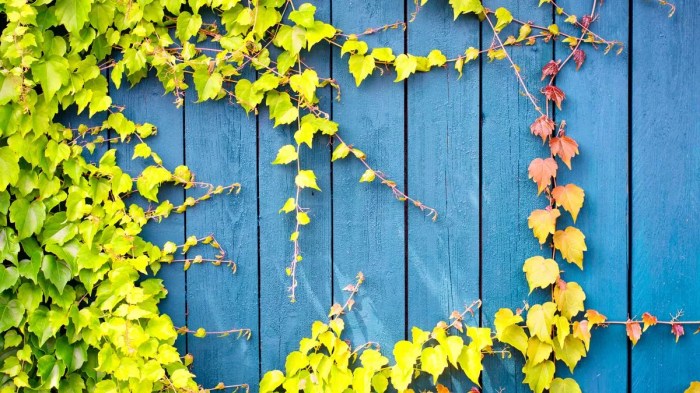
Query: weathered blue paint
pixel 508 196
pixel 596 109
pixel 281 329
pixel 463 146
pixel 369 233
pixel 443 121
pixel 665 191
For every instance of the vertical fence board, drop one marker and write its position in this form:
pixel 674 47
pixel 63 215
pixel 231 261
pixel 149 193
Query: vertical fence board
pixel 508 196
pixel 147 103
pixel 596 111
pixel 443 172
pixel 282 323
pixel 220 140
pixel 665 191
pixel 368 224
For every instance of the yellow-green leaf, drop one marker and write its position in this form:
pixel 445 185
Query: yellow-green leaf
pixel 289 205
pixel 540 272
pixel 568 385
pixel 539 376
pixel 569 297
pixel 540 319
pixel 285 155
pixel 306 178
pixel 571 243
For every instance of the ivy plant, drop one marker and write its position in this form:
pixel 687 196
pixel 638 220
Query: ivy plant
pixel 78 295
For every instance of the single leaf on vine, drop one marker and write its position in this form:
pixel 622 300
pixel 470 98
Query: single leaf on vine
pixel 649 320
pixel 570 197
pixel 569 297
pixel 582 331
pixel 595 318
pixel 564 147
pixel 677 330
pixel 543 127
pixel 543 223
pixel 539 376
pixel 634 331
pixel 571 243
pixel 540 272
pixel 554 94
pixel 541 171
pixel 568 385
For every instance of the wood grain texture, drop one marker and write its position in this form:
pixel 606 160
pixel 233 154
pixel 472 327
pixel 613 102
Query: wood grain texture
pixel 508 196
pixel 220 140
pixel 368 223
pixel 282 323
pixel 443 172
pixel 665 190
pixel 147 103
pixel 596 112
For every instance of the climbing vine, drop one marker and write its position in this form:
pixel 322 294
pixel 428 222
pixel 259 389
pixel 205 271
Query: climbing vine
pixel 78 300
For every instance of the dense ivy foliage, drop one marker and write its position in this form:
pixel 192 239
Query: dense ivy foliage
pixel 78 301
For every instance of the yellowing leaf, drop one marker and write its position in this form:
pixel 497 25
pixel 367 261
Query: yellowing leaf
pixel 540 319
pixel 453 347
pixel 539 376
pixel 543 223
pixel 538 351
pixel 383 54
pixel 541 171
pixel 289 205
pixel 466 7
pixel 571 242
pixel 649 320
pixel 540 272
pixel 481 337
pixel 368 176
pixel 285 155
pixel 569 297
pixel 470 362
pixel 568 385
pixel 595 318
pixel 303 218
pixel 503 18
pixel 581 331
pixel 571 352
pixel 471 54
pixel 508 331
pixel 436 58
pixel 306 178
pixel 434 361
pixel 405 65
pixel 271 381
pixel 570 197
pixel 693 388
pixel 305 84
pixel 361 67
pixel 341 151
pixel 563 328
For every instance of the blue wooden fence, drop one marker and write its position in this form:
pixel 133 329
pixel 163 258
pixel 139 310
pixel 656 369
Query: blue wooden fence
pixel 462 146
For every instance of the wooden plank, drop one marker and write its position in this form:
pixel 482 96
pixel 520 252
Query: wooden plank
pixel 143 103
pixel 281 329
pixel 595 105
pixel 368 224
pixel 220 148
pixel 508 196
pixel 665 191
pixel 443 172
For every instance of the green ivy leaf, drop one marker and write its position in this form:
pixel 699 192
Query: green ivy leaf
pixel 73 14
pixel 52 73
pixel 28 217
pixel 361 67
pixel 8 277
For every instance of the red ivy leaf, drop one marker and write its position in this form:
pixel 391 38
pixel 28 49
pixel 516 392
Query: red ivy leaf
pixel 579 58
pixel 474 390
pixel 542 171
pixel 634 331
pixel 550 69
pixel 555 94
pixel 586 21
pixel 564 147
pixel 542 127
pixel 677 330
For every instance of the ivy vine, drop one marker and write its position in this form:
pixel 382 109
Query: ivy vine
pixel 78 300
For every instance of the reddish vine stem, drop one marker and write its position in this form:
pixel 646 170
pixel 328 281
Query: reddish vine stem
pixel 584 31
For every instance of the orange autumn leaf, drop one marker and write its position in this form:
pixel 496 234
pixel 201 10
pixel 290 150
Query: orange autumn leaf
pixel 442 388
pixel 564 147
pixel 541 171
pixel 595 318
pixel 570 197
pixel 543 127
pixel 634 331
pixel 555 94
pixel 582 331
pixel 543 223
pixel 649 320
